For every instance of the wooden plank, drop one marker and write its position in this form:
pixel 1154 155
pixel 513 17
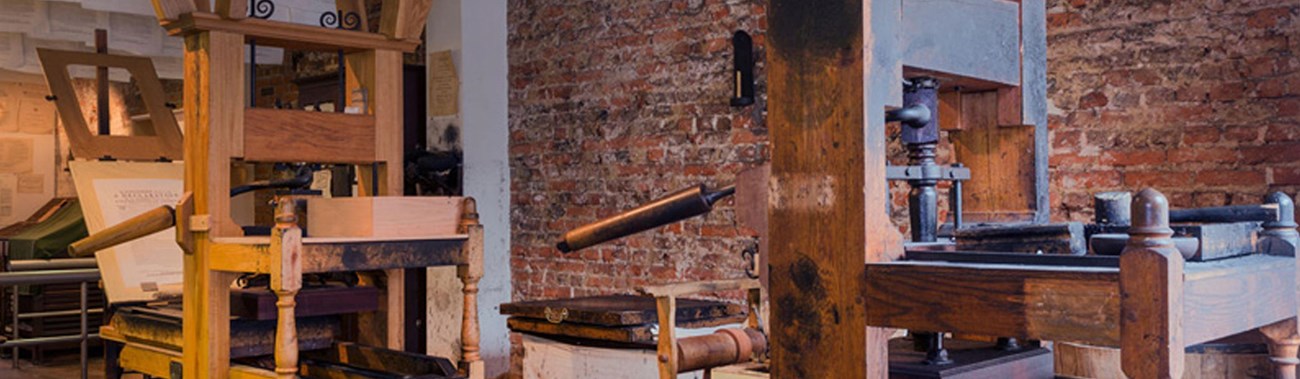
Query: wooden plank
pixel 1231 296
pixel 987 48
pixel 259 304
pixel 288 35
pixel 404 19
pixel 824 187
pixel 278 135
pixel 1033 93
pixel 1220 240
pixel 383 216
pixel 643 333
pixel 1151 290
pixel 617 310
pixel 337 257
pixel 950 110
pixel 1035 302
pixel 386 92
pixel 1001 161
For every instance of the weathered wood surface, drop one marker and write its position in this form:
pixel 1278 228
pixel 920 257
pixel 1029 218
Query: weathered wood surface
pixel 1230 213
pixel 404 19
pixel 282 135
pixel 1064 238
pixel 828 182
pixel 1151 289
pixel 1220 240
pixel 1236 295
pixel 617 310
pixel 162 329
pixel 1036 302
pixel 1220 361
pixel 643 333
pixel 1001 160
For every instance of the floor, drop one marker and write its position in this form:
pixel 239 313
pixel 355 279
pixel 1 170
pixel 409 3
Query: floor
pixel 62 366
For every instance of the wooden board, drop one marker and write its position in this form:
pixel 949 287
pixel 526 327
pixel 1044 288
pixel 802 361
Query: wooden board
pixel 281 135
pixel 618 310
pixel 1227 297
pixel 383 216
pixel 1036 302
pixel 1220 240
pixel 404 19
pixel 1001 160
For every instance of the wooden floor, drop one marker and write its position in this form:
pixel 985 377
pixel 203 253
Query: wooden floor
pixel 62 366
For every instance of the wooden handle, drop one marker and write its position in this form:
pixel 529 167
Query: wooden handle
pixel 153 221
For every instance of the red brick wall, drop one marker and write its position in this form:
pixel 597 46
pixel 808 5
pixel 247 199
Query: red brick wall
pixel 612 104
pixel 1196 98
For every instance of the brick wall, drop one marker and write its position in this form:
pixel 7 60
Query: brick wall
pixel 615 103
pixel 1196 98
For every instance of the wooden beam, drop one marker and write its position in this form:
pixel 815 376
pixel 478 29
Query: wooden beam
pixel 404 19
pixel 1037 302
pixel 276 135
pixel 827 188
pixel 288 35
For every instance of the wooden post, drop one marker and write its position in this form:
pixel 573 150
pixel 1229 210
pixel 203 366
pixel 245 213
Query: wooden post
pixel 214 105
pixel 667 351
pixel 286 280
pixel 827 190
pixel 469 274
pixel 1151 293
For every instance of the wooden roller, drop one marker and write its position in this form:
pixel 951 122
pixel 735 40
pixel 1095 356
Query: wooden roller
pixel 722 348
pixel 144 224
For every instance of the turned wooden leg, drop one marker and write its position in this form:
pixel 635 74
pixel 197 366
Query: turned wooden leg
pixel 1283 344
pixel 470 273
pixel 286 280
pixel 1151 292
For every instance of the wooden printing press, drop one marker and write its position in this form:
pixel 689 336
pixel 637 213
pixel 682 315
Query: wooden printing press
pixel 282 325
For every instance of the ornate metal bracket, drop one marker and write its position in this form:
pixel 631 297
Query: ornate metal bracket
pixel 341 20
pixel 262 9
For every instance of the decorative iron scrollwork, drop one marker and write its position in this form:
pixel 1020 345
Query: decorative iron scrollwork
pixel 341 20
pixel 556 316
pixel 262 9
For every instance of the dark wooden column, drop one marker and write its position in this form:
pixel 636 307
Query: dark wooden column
pixel 826 205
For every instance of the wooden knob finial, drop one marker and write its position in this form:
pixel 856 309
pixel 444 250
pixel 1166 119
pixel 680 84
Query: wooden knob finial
pixel 1150 214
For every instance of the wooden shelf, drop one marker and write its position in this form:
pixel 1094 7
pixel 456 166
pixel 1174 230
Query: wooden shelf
pixel 288 35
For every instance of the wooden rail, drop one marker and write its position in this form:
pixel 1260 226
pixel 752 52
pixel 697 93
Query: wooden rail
pixel 142 225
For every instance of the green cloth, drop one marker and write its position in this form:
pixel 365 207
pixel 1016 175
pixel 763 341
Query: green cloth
pixel 50 238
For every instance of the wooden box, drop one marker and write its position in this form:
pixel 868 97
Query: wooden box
pixel 383 216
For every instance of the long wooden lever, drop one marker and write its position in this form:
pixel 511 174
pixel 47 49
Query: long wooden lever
pixel 144 224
